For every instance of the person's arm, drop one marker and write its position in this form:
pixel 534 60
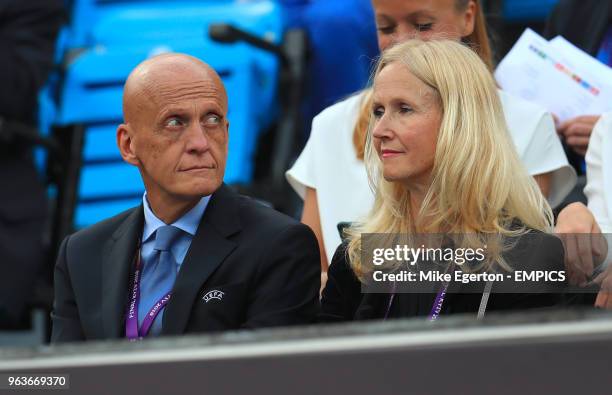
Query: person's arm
pixel 66 325
pixel 27 45
pixel 287 281
pixel 597 195
pixel 604 297
pixel 594 190
pixel 543 181
pixel 547 163
pixel 310 217
pixel 582 240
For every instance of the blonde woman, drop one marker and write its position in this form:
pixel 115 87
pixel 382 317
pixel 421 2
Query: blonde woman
pixel 441 160
pixel 330 175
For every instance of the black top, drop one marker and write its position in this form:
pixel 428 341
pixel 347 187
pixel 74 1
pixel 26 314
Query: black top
pixel 343 300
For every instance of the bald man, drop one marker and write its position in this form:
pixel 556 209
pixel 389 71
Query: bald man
pixel 194 256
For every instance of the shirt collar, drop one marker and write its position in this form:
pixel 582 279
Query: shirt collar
pixel 188 223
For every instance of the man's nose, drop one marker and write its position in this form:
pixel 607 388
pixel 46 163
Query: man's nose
pixel 197 138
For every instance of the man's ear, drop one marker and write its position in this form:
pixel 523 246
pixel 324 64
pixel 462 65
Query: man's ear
pixel 125 142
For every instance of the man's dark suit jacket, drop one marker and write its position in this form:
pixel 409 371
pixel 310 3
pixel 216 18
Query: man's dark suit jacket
pixel 265 264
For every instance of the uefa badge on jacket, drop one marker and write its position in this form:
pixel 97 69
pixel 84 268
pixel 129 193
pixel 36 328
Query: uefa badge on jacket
pixel 214 294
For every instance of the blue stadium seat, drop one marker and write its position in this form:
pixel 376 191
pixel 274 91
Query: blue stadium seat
pixel 85 13
pixel 186 22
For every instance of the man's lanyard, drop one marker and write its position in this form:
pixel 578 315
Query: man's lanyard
pixel 131 324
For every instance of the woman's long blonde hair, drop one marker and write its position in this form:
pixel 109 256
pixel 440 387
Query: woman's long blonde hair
pixel 478 40
pixel 478 183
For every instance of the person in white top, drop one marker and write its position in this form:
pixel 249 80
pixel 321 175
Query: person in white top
pixel 598 191
pixel 329 174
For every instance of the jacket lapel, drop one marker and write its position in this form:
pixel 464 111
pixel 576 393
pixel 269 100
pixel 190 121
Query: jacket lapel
pixel 118 255
pixel 209 248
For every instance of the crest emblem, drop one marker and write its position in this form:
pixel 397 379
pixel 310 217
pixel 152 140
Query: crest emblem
pixel 214 294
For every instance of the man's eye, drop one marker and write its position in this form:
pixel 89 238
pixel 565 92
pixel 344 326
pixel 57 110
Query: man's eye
pixel 174 122
pixel 213 120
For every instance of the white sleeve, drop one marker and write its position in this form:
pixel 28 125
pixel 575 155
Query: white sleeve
pixel 302 174
pixel 594 190
pixel 545 154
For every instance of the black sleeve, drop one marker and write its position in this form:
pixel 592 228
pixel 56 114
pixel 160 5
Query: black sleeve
pixel 66 325
pixel 28 31
pixel 545 253
pixel 342 294
pixel 288 281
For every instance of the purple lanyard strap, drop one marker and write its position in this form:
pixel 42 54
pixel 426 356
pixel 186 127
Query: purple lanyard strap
pixel 436 308
pixel 131 326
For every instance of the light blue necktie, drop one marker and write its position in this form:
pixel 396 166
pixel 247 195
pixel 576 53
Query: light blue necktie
pixel 158 275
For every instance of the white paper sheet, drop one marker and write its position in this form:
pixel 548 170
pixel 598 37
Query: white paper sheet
pixel 581 60
pixel 557 76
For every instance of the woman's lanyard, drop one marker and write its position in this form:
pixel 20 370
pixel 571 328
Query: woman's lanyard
pixel 131 325
pixel 436 308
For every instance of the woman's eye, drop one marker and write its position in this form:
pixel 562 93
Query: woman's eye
pixel 422 27
pixel 378 112
pixel 405 109
pixel 386 29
